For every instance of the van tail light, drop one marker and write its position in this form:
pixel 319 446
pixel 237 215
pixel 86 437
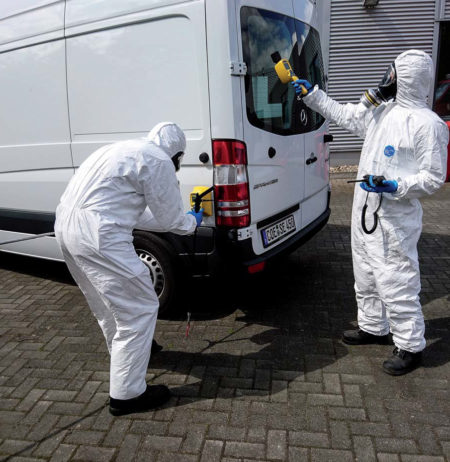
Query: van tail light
pixel 231 192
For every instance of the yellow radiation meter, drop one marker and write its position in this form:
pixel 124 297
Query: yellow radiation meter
pixel 284 71
pixel 201 197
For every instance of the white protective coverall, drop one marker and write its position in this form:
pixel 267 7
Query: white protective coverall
pixel 104 201
pixel 404 141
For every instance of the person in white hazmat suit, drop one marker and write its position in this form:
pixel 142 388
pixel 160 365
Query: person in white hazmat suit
pixel 122 186
pixel 405 142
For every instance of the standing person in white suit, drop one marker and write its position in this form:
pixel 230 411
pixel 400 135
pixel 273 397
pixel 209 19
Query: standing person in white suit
pixel 405 142
pixel 120 187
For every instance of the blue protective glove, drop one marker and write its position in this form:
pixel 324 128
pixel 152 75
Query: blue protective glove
pixel 198 215
pixel 298 86
pixel 388 186
pixel 366 187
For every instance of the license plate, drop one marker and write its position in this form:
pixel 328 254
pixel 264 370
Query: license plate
pixel 277 231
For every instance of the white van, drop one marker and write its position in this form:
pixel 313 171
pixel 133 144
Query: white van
pixel 79 74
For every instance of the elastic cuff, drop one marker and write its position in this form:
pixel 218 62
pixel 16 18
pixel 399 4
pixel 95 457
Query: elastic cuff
pixel 379 332
pixel 400 190
pixel 310 92
pixel 409 349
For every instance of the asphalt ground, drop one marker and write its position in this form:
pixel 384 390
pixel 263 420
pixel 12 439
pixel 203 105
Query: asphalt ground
pixel 263 375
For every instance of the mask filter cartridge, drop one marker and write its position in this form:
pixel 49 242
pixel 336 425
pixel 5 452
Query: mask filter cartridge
pixel 386 90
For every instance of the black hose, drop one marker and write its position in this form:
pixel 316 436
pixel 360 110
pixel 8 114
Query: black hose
pixel 197 206
pixel 194 251
pixel 199 197
pixel 375 216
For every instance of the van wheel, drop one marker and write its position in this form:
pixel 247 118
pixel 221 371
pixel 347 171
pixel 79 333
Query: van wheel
pixel 160 260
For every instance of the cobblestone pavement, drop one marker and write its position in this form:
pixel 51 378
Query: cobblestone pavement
pixel 262 377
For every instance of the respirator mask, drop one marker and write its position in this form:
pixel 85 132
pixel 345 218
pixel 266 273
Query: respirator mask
pixel 176 159
pixel 386 90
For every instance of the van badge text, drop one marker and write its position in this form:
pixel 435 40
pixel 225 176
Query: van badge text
pixel 267 183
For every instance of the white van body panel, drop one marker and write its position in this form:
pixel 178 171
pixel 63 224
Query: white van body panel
pixel 36 161
pixel 224 88
pixel 313 204
pixel 305 11
pixel 25 22
pixel 43 247
pixel 135 75
pixel 316 175
pixel 42 187
pixel 33 111
pixel 83 13
pixel 284 7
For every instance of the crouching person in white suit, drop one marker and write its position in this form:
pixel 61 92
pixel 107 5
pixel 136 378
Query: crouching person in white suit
pixel 115 189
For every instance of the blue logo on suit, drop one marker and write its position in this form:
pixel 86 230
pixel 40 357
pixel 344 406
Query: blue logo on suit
pixel 389 151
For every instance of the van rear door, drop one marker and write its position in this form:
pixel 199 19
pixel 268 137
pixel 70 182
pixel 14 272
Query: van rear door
pixel 277 123
pixel 309 65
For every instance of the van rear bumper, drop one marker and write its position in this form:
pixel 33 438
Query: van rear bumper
pixel 249 258
pixel 218 248
pixel 212 249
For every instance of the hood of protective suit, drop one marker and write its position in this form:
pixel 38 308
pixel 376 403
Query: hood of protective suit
pixel 169 137
pixel 414 78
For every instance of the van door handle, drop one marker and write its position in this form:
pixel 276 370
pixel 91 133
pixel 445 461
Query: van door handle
pixel 311 160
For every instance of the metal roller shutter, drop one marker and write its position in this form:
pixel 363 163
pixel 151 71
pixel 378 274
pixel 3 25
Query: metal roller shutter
pixel 362 44
pixel 447 9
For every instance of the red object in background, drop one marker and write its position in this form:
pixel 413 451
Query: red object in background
pixel 448 155
pixel 441 104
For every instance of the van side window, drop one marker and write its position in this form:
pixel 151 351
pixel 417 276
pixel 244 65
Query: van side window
pixel 271 105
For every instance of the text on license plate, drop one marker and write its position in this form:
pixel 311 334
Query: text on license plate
pixel 274 233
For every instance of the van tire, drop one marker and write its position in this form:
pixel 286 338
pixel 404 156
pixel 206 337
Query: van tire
pixel 159 257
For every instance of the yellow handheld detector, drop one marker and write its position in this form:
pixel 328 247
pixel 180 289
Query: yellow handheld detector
pixel 201 197
pixel 284 71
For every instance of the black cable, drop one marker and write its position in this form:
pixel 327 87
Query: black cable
pixel 197 206
pixel 194 251
pixel 375 216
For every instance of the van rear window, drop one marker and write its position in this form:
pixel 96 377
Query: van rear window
pixel 271 105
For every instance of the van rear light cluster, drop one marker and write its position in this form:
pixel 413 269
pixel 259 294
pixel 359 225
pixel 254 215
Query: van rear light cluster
pixel 231 193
